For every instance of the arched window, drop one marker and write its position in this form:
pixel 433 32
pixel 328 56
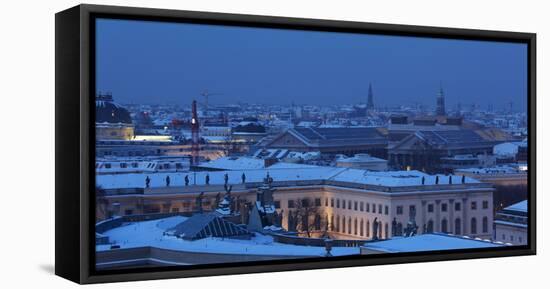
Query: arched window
pixel 457 227
pixel 473 226
pixel 399 229
pixel 444 228
pixel 361 228
pixel 485 225
pixel 368 228
pixel 386 231
pixel 337 224
pixel 349 225
pixel 430 228
pixel 344 224
pixel 355 226
pixel 317 222
pixel 331 227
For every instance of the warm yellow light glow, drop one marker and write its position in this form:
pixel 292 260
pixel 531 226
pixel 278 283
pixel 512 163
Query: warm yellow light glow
pixel 152 138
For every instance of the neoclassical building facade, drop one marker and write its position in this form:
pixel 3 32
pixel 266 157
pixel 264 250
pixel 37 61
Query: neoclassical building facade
pixel 340 207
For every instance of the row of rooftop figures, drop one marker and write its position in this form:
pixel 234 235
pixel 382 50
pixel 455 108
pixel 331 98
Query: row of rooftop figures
pixel 167 180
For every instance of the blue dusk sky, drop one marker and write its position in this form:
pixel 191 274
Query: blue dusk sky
pixel 172 63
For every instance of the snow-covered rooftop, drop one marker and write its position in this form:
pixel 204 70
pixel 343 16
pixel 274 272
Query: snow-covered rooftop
pixel 508 148
pixel 429 242
pixel 520 207
pixel 246 163
pixel 491 170
pixel 361 158
pixel 281 172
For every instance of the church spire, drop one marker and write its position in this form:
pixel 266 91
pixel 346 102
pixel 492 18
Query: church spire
pixel 440 109
pixel 370 101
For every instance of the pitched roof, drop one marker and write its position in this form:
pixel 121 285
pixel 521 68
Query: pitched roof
pixel 519 207
pixel 454 138
pixel 338 136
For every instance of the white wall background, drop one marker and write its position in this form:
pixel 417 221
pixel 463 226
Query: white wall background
pixel 27 142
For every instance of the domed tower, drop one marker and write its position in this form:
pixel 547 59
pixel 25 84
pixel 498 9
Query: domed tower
pixel 112 121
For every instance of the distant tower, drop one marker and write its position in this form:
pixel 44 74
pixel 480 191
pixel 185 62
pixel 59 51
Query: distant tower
pixel 194 135
pixel 370 101
pixel 440 110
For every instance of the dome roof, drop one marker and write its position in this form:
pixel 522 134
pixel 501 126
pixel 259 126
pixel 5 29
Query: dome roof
pixel 107 111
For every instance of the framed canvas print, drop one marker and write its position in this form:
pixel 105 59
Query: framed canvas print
pixel 194 144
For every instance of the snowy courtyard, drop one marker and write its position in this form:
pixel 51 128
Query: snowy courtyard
pixel 151 233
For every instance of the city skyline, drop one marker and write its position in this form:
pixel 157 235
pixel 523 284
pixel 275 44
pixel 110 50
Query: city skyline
pixel 259 65
pixel 219 144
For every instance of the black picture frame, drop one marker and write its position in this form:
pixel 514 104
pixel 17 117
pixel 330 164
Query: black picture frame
pixel 75 91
